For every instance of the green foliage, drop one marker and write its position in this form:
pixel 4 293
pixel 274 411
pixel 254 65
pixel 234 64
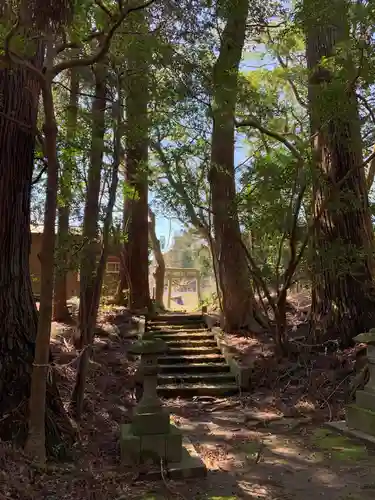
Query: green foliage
pixel 180 50
pixel 190 250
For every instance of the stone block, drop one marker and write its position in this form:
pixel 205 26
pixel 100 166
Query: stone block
pixel 173 445
pixel 190 465
pixel 361 419
pixel 242 373
pixel 365 399
pixel 140 449
pixel 130 446
pixel 145 423
pixel 341 427
pixel 166 446
pixel 152 448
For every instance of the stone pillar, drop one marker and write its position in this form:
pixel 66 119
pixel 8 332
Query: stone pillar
pixel 169 292
pixel 360 416
pixel 198 279
pixel 150 436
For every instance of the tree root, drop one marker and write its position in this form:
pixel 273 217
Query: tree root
pixel 60 432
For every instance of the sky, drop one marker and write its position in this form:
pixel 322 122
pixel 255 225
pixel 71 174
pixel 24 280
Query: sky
pixel 167 228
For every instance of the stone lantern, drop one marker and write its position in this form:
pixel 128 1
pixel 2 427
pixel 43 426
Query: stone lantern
pixel 150 436
pixel 360 416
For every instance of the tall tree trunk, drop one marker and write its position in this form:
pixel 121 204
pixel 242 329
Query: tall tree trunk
pixel 343 289
pixel 60 308
pixel 79 388
pixel 88 265
pixel 18 314
pixel 235 279
pixel 135 255
pixel 36 441
pixel 159 273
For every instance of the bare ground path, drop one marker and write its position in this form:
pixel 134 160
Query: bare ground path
pixel 256 457
pixel 250 449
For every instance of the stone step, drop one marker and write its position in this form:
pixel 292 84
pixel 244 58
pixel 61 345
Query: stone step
pixel 191 343
pixel 183 336
pixel 190 358
pixel 190 350
pixel 168 327
pixel 175 332
pixel 190 390
pixel 181 318
pixel 194 378
pixel 195 368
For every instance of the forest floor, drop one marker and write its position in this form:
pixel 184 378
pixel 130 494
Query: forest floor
pixel 268 444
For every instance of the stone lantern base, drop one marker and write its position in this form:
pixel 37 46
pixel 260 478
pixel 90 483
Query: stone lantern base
pixel 137 449
pixel 361 418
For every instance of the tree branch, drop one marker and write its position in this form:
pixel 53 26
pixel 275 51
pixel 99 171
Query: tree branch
pixel 284 65
pixel 105 9
pixel 249 122
pixel 78 45
pixel 179 188
pixel 367 106
pixel 43 170
pixel 103 49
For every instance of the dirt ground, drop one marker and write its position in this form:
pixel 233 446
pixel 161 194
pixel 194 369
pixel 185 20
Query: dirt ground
pixel 268 444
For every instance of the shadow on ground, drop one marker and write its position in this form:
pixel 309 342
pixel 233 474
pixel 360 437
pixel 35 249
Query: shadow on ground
pixel 250 450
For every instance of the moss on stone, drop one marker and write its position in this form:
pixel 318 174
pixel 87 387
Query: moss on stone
pixel 339 447
pixel 366 337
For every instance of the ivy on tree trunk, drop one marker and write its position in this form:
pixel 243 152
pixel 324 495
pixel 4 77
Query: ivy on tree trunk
pixel 134 269
pixel 342 251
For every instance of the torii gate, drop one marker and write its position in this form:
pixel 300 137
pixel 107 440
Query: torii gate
pixel 180 274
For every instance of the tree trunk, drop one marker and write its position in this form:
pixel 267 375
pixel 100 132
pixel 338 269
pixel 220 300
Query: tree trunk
pixel 18 314
pixel 89 253
pixel 60 308
pixel 343 290
pixel 79 388
pixel 135 256
pixel 235 279
pixel 88 265
pixel 159 273
pixel 35 445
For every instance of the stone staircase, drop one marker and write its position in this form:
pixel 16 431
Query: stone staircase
pixel 193 365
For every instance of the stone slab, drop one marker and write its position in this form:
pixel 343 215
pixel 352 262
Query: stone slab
pixel 342 428
pixel 190 466
pixel 138 449
pixel 130 446
pixel 360 419
pixel 365 399
pixel 168 446
pixel 150 423
pixel 242 373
